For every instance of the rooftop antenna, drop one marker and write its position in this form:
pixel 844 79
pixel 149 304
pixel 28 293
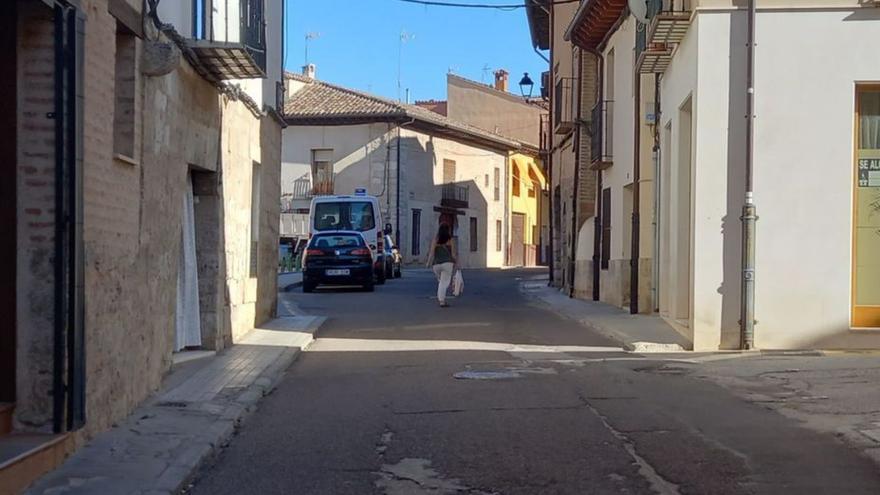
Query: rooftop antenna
pixel 404 38
pixel 452 69
pixel 309 37
pixel 486 71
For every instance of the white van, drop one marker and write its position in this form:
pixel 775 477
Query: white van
pixel 360 213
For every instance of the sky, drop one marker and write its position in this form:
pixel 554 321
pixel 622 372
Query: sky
pixel 359 40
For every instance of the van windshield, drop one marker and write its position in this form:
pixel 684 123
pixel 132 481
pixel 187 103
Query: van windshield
pixel 344 215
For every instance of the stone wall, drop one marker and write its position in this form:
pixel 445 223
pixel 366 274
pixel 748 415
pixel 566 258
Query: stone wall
pixel 133 208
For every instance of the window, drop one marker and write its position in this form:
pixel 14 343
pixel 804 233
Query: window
pixel 498 235
pixel 606 228
pixel 124 102
pixel 322 172
pixel 448 171
pixel 416 232
pixel 866 241
pixel 475 246
pixel 256 189
pixel 517 180
pixel 534 183
pixel 330 241
pixel 344 215
pixel 497 184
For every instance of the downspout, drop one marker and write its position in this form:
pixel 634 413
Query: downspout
pixel 655 265
pixel 577 168
pixel 60 314
pixel 397 180
pixel 553 205
pixel 636 230
pixel 597 218
pixel 542 55
pixel 749 215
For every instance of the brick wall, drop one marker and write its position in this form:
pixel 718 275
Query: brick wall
pixel 35 218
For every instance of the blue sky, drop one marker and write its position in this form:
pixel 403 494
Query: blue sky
pixel 359 40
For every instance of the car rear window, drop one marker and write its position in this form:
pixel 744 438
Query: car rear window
pixel 344 215
pixel 337 241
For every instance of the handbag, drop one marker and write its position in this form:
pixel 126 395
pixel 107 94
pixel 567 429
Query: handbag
pixel 457 284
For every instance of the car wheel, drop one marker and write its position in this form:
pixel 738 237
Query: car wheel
pixel 308 287
pixel 369 287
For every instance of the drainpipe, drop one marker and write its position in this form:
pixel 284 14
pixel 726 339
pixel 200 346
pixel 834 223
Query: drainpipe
pixel 655 265
pixel 749 215
pixel 551 13
pixel 597 218
pixel 397 180
pixel 577 169
pixel 634 248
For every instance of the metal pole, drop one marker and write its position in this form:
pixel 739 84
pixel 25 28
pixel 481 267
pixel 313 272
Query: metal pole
pixel 749 215
pixel 597 217
pixel 575 223
pixel 636 229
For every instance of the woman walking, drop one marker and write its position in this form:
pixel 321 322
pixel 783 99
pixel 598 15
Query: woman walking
pixel 442 260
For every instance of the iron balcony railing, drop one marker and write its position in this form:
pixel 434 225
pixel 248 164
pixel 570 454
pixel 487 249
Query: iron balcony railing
pixel 545 132
pixel 454 196
pixel 253 30
pixel 601 132
pixel 563 105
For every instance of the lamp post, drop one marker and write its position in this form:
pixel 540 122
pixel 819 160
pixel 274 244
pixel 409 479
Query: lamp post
pixel 526 84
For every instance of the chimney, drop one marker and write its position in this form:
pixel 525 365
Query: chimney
pixel 309 71
pixel 501 80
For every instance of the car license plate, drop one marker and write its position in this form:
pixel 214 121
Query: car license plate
pixel 337 273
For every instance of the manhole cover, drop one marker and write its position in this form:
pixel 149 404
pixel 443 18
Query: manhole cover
pixel 486 375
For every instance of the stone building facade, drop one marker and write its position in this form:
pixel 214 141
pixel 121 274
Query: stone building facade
pixel 124 147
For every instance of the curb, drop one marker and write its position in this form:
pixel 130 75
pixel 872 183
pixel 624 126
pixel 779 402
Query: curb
pixel 246 404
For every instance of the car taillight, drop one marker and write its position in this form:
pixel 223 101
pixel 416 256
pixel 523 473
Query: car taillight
pixel 315 252
pixel 360 252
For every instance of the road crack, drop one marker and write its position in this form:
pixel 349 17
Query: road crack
pixel 658 483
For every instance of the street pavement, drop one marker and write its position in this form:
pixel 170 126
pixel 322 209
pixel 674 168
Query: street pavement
pixel 499 395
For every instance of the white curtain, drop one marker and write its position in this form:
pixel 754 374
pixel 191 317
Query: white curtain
pixel 189 333
pixel 869 113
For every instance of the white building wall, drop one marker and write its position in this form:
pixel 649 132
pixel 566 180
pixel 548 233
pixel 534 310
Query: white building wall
pixel 807 67
pixel 803 174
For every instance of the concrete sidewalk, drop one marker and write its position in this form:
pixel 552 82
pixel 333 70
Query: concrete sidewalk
pixel 636 333
pixel 159 447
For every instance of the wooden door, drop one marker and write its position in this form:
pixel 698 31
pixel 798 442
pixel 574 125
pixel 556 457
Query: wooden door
pixel 518 240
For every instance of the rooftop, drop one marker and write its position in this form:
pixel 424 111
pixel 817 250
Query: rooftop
pixel 322 103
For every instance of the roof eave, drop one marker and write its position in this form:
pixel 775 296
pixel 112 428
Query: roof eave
pixel 535 14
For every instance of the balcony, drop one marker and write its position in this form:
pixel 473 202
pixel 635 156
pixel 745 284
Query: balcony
pixel 244 58
pixel 454 196
pixel 322 188
pixel 601 135
pixel 545 133
pixel 563 105
pixel 668 23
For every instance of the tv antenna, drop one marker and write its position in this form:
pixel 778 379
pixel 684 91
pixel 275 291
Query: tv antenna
pixel 404 38
pixel 310 36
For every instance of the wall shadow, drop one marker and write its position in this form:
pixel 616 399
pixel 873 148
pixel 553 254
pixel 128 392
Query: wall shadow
pixel 731 226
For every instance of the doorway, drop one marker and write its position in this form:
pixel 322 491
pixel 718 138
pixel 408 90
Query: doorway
pixel 8 216
pixel 682 195
pixel 518 240
pixel 188 333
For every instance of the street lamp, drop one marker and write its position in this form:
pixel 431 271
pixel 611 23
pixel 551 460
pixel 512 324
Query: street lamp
pixel 526 84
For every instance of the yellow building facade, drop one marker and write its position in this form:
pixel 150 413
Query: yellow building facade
pixel 526 190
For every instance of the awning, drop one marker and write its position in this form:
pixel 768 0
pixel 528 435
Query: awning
pixel 593 21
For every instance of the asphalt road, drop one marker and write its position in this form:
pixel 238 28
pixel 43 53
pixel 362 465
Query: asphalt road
pixel 495 395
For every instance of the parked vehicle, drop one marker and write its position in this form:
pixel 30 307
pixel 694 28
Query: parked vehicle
pixel 338 258
pixel 358 213
pixel 395 259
